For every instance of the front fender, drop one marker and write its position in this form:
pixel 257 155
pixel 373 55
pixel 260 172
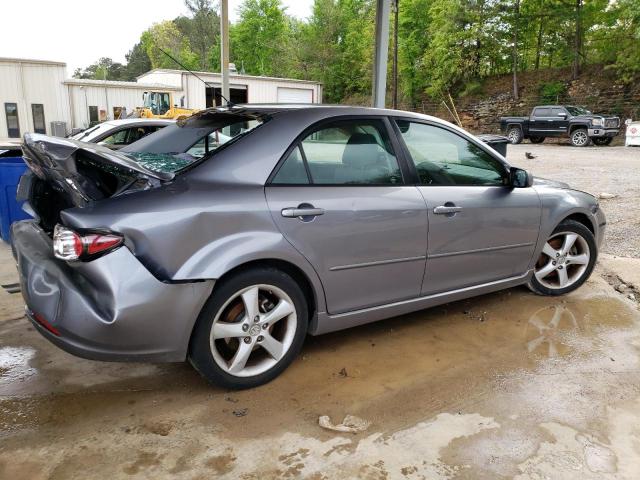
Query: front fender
pixel 558 204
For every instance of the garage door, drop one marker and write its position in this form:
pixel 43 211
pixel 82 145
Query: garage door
pixel 295 95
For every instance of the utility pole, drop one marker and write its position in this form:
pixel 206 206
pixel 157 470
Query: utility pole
pixel 394 85
pixel 381 53
pixel 516 95
pixel 224 48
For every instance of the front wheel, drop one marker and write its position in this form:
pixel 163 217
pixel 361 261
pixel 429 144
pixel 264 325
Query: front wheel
pixel 250 330
pixel 536 139
pixel 514 134
pixel 602 141
pixel 580 137
pixel 566 261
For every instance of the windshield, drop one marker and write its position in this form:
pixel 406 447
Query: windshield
pixel 178 146
pixel 158 102
pixel 92 132
pixel 577 111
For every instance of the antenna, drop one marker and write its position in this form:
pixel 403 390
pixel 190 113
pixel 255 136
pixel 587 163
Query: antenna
pixel 229 104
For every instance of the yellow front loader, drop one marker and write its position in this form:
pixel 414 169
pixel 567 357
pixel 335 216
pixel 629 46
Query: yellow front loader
pixel 160 105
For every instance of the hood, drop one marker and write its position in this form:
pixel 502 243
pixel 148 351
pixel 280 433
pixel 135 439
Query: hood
pixel 545 182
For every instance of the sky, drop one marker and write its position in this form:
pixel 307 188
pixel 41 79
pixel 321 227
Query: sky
pixel 79 32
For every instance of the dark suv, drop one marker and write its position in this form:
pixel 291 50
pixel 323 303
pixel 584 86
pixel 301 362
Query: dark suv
pixel 579 124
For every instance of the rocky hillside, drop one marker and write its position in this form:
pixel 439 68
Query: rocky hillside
pixel 596 89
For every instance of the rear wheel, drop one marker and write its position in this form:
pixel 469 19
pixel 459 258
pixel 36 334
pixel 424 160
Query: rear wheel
pixel 536 139
pixel 514 134
pixel 566 261
pixel 250 329
pixel 580 137
pixel 602 141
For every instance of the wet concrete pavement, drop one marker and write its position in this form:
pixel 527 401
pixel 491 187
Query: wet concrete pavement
pixel 508 385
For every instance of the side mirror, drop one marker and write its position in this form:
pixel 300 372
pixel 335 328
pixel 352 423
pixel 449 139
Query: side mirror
pixel 519 178
pixel 562 115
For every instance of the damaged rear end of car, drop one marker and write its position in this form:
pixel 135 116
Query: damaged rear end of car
pixel 84 288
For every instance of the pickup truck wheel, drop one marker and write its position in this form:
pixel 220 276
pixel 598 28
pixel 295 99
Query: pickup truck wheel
pixel 514 134
pixel 602 141
pixel 536 139
pixel 580 137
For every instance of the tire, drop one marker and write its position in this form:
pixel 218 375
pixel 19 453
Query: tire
pixel 217 353
pixel 577 263
pixel 514 134
pixel 602 141
pixel 537 139
pixel 580 137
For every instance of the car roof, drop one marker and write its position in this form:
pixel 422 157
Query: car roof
pixel 141 121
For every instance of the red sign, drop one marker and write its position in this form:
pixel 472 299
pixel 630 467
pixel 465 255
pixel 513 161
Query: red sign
pixel 634 130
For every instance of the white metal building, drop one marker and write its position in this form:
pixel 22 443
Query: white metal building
pixel 36 95
pixel 244 88
pixel 92 101
pixel 32 95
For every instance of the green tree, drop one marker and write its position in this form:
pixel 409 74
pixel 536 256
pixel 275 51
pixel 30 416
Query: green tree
pixel 103 69
pixel 259 39
pixel 138 62
pixel 202 30
pixel 166 37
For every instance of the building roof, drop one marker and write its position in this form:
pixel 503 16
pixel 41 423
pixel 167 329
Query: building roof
pixel 113 83
pixel 32 61
pixel 232 76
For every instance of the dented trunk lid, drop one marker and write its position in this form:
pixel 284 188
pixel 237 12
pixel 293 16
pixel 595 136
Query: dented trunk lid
pixel 84 172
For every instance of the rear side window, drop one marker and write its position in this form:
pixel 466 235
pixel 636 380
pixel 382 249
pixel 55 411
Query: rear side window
pixel 345 152
pixel 292 171
pixel 542 112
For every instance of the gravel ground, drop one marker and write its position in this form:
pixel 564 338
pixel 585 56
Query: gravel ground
pixel 614 170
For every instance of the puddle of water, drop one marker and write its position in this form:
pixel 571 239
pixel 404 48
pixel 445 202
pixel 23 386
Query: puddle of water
pixel 15 366
pixel 501 359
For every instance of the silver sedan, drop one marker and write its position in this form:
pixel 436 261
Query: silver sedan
pixel 227 238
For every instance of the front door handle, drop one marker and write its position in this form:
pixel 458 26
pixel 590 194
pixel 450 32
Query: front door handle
pixel 447 210
pixel 301 212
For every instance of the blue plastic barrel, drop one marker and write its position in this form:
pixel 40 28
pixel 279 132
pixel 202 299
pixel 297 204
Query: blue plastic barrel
pixel 11 169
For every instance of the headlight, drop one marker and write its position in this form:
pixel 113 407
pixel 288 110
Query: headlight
pixel 597 122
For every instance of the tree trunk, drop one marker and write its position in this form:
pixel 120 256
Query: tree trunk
pixel 515 50
pixel 577 48
pixel 539 43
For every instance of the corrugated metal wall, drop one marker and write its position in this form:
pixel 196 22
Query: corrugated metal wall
pixel 260 90
pixel 26 83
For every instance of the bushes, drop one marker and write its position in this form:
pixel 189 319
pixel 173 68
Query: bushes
pixel 552 92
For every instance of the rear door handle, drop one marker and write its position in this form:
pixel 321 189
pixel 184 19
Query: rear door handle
pixel 446 210
pixel 302 212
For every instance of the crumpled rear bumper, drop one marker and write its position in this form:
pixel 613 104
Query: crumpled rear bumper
pixel 111 308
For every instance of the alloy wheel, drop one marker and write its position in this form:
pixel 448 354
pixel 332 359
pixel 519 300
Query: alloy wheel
pixel 563 261
pixel 253 330
pixel 513 135
pixel 580 138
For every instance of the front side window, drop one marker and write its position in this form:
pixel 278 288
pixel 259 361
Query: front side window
pixel 442 157
pixel 118 138
pixel 37 111
pixel 13 124
pixel 345 152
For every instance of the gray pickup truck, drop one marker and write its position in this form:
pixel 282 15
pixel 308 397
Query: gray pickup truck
pixel 580 125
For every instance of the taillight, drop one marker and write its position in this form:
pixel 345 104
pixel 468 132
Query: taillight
pixel 71 245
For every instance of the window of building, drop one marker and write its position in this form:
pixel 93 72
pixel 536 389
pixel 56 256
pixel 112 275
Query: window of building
pixel 93 115
pixel 37 111
pixel 13 123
